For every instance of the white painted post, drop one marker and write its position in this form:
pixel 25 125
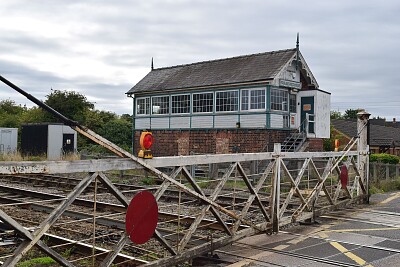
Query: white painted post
pixel 362 147
pixel 277 180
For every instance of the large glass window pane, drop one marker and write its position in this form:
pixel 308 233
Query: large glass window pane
pixel 245 99
pixel 203 102
pixel 257 99
pixel 253 99
pixel 292 106
pixel 279 100
pixel 180 104
pixel 227 101
pixel 160 104
pixel 143 106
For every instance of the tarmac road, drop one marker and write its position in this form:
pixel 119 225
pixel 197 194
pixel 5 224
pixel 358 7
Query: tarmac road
pixel 367 235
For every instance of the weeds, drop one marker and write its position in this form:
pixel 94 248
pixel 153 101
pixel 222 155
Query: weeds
pixel 42 261
pixel 383 186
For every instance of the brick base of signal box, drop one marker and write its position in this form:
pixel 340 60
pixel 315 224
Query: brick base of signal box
pixel 177 143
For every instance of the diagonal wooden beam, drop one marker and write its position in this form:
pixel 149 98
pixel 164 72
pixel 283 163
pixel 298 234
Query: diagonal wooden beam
pixel 292 190
pixel 252 197
pixel 124 239
pixel 253 191
pixel 22 231
pixel 166 183
pixel 293 182
pixel 113 189
pixel 360 179
pixel 317 188
pixel 203 211
pixel 115 250
pixel 196 187
pixel 26 245
pixel 326 173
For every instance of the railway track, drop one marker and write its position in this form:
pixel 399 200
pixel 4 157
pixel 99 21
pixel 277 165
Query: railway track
pixel 110 216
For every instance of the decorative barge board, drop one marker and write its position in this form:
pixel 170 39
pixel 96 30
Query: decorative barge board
pixel 239 104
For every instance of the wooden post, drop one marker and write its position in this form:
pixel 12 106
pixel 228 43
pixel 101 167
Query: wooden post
pixel 387 170
pixel 276 189
pixel 362 145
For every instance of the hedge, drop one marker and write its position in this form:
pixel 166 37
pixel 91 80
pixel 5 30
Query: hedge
pixel 384 158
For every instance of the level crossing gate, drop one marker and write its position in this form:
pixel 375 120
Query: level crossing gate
pixel 204 201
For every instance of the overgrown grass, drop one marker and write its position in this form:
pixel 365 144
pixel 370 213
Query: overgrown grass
pixel 382 186
pixel 148 181
pixel 18 157
pixel 42 261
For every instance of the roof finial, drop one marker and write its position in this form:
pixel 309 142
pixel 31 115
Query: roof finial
pixel 152 64
pixel 297 52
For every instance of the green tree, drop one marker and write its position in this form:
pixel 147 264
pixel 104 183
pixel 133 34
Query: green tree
pixel 10 114
pixel 336 115
pixel 71 104
pixel 96 119
pixel 127 117
pixel 34 115
pixel 351 113
pixel 118 131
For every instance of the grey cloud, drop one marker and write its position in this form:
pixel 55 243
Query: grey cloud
pixel 351 46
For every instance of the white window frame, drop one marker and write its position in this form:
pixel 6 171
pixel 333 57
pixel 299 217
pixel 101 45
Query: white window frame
pixel 249 99
pixel 290 103
pixel 212 102
pixel 169 105
pixel 286 121
pixel 284 104
pixel 227 91
pixel 146 108
pixel 180 107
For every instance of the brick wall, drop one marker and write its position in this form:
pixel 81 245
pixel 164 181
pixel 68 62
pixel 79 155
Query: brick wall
pixel 315 145
pixel 173 143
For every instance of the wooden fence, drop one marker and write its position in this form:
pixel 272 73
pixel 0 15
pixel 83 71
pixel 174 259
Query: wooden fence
pixel 380 171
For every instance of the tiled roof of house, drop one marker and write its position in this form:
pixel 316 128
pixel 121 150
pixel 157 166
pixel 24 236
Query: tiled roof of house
pixel 379 136
pixel 242 69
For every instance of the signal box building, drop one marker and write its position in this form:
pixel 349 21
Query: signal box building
pixel 239 104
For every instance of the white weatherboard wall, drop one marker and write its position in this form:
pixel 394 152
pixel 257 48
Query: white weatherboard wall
pixel 142 123
pixel 225 121
pixel 253 121
pixel 276 121
pixel 8 140
pixel 55 140
pixel 180 122
pixel 202 122
pixel 322 110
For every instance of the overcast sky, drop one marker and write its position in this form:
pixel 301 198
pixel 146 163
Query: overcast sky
pixel 102 48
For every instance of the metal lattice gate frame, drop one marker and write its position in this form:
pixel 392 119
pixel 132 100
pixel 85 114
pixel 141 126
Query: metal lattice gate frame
pixel 235 203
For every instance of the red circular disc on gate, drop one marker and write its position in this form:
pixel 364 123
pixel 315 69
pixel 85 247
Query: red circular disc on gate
pixel 344 176
pixel 141 217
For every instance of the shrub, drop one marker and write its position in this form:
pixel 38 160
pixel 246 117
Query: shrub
pixel 384 158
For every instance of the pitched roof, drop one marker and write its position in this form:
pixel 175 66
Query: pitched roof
pixel 242 69
pixel 379 135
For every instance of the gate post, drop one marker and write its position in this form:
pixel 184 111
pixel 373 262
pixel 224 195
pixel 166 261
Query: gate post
pixel 362 148
pixel 276 188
